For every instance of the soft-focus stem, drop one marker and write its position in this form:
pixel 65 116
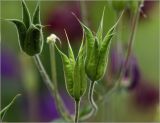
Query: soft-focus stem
pixel 132 35
pixel 10 104
pixel 119 28
pixel 53 65
pixel 130 46
pixel 92 103
pixel 84 12
pixel 60 106
pixel 54 77
pixel 77 104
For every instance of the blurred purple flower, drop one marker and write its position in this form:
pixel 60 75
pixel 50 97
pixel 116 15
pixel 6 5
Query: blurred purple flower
pixel 147 7
pixel 116 59
pixel 132 75
pixel 146 95
pixel 47 107
pixel 61 18
pixel 10 65
pixel 133 72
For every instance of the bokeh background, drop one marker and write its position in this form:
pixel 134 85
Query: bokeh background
pixel 19 74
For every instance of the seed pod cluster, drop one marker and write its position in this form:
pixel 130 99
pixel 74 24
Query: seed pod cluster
pixel 97 50
pixel 74 71
pixel 29 31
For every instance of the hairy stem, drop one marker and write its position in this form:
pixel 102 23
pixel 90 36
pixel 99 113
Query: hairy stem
pixel 60 106
pixel 77 104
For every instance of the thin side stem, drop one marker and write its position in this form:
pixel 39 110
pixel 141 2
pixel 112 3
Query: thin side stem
pixel 84 12
pixel 132 35
pixel 59 101
pixel 77 104
pixel 60 106
pixel 53 65
pixel 90 96
pixel 91 100
pixel 130 46
pixel 10 104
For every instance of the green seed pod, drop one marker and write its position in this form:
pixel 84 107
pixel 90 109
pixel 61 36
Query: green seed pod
pixel 97 50
pixel 119 5
pixel 133 5
pixel 30 33
pixel 74 72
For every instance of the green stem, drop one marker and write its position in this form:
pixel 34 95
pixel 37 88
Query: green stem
pixel 59 101
pixel 60 106
pixel 132 35
pixel 53 65
pixel 90 95
pixel 77 104
pixel 4 110
pixel 119 28
pixel 10 104
pixel 130 46
pixel 84 12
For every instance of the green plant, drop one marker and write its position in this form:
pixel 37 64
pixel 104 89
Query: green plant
pixel 91 61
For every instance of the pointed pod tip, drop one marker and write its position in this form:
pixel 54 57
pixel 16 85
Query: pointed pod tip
pixel 77 18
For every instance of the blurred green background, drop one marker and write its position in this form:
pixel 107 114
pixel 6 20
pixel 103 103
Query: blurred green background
pixel 21 76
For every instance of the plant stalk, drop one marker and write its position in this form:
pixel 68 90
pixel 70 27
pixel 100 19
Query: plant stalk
pixel 132 35
pixel 77 104
pixel 84 12
pixel 60 106
pixel 90 96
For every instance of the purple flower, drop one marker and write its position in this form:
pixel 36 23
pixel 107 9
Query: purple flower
pixel 146 95
pixel 147 7
pixel 10 65
pixel 116 59
pixel 61 18
pixel 47 108
pixel 131 75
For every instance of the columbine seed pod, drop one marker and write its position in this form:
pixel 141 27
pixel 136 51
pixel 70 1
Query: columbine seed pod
pixel 97 50
pixel 119 5
pixel 29 32
pixel 133 5
pixel 74 70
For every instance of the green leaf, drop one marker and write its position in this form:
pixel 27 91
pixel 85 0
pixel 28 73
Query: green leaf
pixel 100 29
pixel 36 15
pixel 10 104
pixel 34 41
pixel 21 31
pixel 26 16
